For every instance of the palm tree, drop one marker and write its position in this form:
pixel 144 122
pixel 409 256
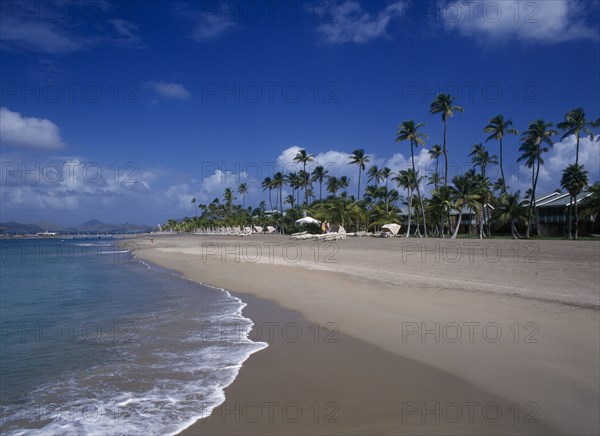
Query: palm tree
pixel 375 175
pixel 498 127
pixel 243 190
pixel 305 181
pixel 332 185
pixel 303 157
pixel 435 153
pixel 465 194
pixel 293 179
pixel 277 183
pixel 359 158
pixel 194 206
pixel 537 134
pixel 343 183
pixel 290 199
pixel 228 199
pixel 574 180
pixel 318 175
pixel 393 196
pixel 481 158
pixel 574 124
pixel 267 183
pixel 591 205
pixel 409 131
pixel 406 179
pixel 371 193
pixel 444 104
pixel 510 209
pixel 385 173
pixel 438 205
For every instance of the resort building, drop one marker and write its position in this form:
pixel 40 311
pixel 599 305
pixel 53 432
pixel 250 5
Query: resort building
pixel 553 211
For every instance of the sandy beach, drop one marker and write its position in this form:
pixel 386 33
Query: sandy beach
pixel 404 336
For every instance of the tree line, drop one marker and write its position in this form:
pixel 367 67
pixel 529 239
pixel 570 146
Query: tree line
pixel 326 197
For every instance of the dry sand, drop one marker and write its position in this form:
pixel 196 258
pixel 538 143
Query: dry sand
pixel 405 336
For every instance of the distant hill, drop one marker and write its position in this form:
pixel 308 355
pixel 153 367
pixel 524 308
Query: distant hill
pixel 91 226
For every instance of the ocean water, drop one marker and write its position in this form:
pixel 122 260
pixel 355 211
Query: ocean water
pixel 94 341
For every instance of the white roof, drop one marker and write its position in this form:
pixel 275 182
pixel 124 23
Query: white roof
pixel 393 228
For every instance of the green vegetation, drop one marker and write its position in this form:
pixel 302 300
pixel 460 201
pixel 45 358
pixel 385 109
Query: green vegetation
pixel 493 209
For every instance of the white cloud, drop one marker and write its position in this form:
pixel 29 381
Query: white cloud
pixel 212 27
pixel 556 160
pixel 128 33
pixel 563 154
pixel 348 22
pixel 337 163
pixel 39 37
pixel 543 22
pixel 19 131
pixel 71 185
pixel 57 27
pixel 423 163
pixel 170 90
pixel 208 24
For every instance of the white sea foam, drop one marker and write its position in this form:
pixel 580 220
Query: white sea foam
pixel 162 383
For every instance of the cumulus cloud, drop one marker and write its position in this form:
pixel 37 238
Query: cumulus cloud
pixel 544 22
pixel 348 23
pixel 337 163
pixel 563 154
pixel 30 132
pixel 169 90
pixel 556 160
pixel 72 186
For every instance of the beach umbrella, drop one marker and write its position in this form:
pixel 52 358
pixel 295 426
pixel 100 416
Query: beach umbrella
pixel 307 220
pixel 392 228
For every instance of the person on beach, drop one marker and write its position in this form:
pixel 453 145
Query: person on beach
pixel 328 227
pixel 323 228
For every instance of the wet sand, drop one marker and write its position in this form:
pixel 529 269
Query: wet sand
pixel 374 336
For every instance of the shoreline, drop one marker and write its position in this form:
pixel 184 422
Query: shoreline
pixel 547 379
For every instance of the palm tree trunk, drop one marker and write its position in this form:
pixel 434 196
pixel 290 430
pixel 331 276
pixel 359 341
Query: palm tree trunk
pixel 576 218
pixel 387 197
pixel 358 193
pixel 445 158
pixel 513 230
pixel 573 208
pixel 305 185
pixel 577 161
pixel 412 156
pixel 281 208
pixel 535 211
pixel 481 224
pixel 570 208
pixel 457 224
pixel 530 208
pixel 409 213
pixel 443 235
pixel 320 190
pixel 502 170
pixel 470 221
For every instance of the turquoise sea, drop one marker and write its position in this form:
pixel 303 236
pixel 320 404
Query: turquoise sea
pixel 93 340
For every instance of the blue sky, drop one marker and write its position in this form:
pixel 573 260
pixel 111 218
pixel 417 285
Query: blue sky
pixel 124 111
